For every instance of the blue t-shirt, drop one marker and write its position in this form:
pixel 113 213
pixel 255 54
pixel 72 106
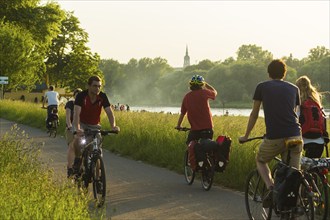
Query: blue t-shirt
pixel 279 99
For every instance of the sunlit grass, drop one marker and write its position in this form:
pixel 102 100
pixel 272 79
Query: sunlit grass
pixel 151 137
pixel 28 189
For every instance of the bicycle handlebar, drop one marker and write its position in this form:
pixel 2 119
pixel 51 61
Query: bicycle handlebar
pixel 102 132
pixel 182 129
pixel 251 139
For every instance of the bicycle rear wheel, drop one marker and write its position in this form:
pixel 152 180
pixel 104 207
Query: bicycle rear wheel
pixel 255 191
pixel 208 174
pixel 99 181
pixel 189 174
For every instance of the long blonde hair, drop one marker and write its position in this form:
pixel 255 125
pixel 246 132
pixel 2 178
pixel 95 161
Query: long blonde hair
pixel 307 90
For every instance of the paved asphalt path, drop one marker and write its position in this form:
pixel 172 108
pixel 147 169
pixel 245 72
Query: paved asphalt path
pixel 136 190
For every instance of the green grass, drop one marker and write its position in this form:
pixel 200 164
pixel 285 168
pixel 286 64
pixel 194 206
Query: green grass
pixel 28 189
pixel 151 137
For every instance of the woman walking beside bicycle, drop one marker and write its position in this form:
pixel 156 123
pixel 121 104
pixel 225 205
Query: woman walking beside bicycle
pixel 280 100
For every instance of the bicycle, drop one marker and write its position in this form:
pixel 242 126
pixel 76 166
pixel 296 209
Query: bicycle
pixel 207 169
pixel 316 170
pixel 256 190
pixel 92 168
pixel 52 122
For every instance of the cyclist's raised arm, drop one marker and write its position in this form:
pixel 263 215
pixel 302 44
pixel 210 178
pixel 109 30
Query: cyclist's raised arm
pixel 209 87
pixel 252 120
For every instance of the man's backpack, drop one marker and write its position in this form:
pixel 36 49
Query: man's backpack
pixel 286 186
pixel 312 119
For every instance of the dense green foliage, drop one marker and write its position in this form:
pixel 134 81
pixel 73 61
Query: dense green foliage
pixel 43 43
pixel 28 189
pixel 147 82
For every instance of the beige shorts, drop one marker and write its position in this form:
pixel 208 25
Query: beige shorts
pixel 271 148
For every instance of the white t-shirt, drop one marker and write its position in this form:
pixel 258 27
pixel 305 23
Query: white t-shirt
pixel 52 97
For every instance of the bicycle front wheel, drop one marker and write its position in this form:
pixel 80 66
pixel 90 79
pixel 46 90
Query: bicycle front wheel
pixel 189 174
pixel 255 191
pixel 99 181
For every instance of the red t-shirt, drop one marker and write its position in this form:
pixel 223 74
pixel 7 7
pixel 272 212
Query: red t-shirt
pixel 91 112
pixel 196 105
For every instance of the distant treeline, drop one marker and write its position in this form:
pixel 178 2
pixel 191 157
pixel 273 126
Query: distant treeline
pixel 153 82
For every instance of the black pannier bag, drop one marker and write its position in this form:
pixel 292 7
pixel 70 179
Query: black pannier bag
pixel 286 186
pixel 219 148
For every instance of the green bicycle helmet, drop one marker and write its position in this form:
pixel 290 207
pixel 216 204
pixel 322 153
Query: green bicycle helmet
pixel 197 80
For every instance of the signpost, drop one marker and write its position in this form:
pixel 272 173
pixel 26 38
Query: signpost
pixel 3 81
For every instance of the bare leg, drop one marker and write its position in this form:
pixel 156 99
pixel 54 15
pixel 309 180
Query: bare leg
pixel 70 155
pixel 265 174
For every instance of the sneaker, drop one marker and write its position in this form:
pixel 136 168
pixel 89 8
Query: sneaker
pixel 70 172
pixel 76 165
pixel 268 198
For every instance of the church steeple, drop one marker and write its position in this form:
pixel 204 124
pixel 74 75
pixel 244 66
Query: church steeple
pixel 186 59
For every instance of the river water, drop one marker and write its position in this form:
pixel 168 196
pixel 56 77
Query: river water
pixel 215 111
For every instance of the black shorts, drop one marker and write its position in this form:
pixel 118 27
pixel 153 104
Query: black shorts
pixel 313 150
pixel 196 135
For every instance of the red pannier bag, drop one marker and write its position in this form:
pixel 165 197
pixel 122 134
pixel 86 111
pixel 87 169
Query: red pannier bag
pixel 222 154
pixel 191 155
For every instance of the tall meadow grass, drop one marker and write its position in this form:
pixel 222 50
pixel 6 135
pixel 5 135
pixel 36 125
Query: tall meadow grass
pixel 151 137
pixel 28 189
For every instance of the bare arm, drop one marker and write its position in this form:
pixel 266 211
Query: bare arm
pixel 209 87
pixel 111 117
pixel 180 120
pixel 68 118
pixel 76 117
pixel 252 120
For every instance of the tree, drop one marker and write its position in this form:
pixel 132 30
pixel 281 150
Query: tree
pixel 41 24
pixel 17 57
pixel 113 75
pixel 69 57
pixel 253 53
pixel 318 53
pixel 81 65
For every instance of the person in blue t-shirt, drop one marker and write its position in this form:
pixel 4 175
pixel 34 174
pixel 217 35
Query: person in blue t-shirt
pixel 280 100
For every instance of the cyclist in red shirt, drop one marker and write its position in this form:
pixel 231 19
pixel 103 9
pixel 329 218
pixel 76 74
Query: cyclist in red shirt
pixel 87 111
pixel 196 105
